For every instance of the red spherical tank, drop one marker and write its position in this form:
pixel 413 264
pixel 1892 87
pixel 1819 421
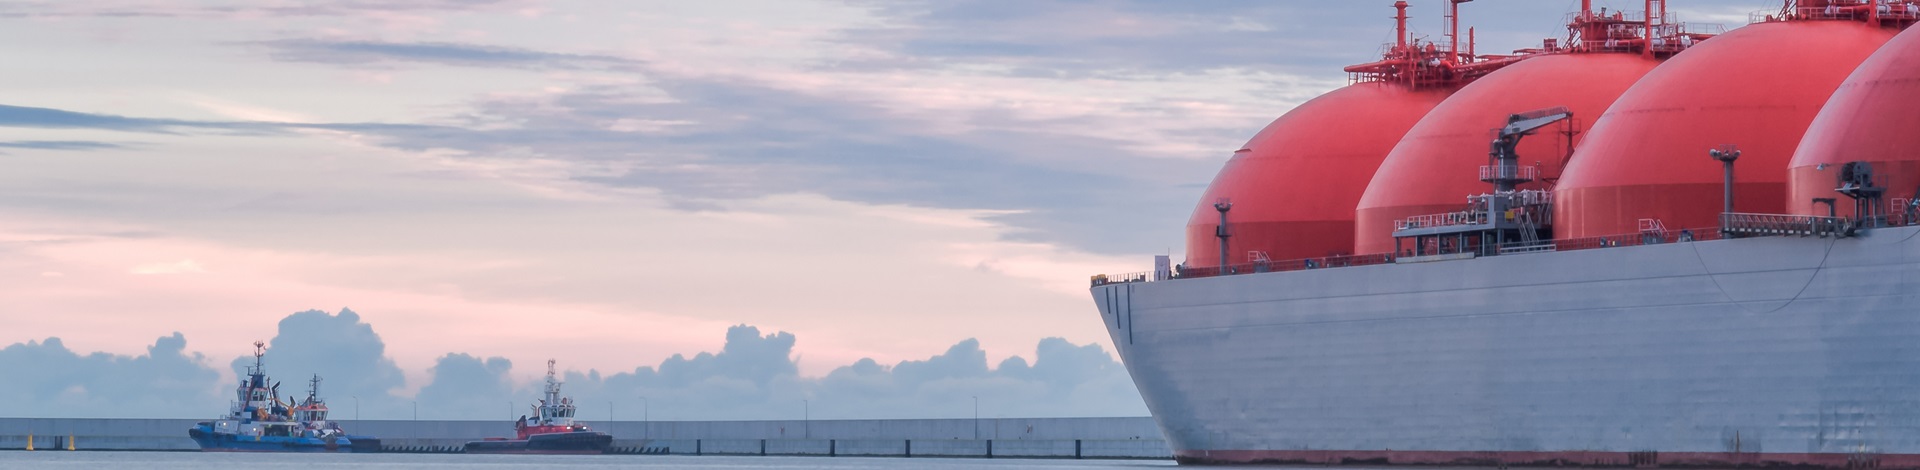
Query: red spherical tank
pixel 1293 187
pixel 1871 118
pixel 1436 166
pixel 1757 87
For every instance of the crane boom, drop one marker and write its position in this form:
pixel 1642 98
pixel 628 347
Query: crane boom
pixel 1503 166
pixel 1519 126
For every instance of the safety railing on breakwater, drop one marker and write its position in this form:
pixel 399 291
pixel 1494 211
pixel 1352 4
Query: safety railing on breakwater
pixel 951 448
pixel 1088 438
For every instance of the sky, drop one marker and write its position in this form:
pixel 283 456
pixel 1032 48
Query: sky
pixel 482 185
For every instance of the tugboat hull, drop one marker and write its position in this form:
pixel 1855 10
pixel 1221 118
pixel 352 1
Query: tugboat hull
pixel 587 442
pixel 219 442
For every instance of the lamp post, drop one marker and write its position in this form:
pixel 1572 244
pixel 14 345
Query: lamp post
pixel 806 419
pixel 646 419
pixel 1726 155
pixel 416 410
pixel 976 417
pixel 609 411
pixel 356 409
pixel 509 410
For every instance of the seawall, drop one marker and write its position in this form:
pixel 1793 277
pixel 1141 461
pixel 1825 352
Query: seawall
pixel 1104 438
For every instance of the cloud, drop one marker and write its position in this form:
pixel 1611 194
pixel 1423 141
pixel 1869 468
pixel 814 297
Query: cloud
pixel 749 375
pixel 1067 38
pixel 1062 186
pixel 1058 38
pixel 50 118
pixel 963 360
pixel 463 385
pixel 748 357
pixel 45 379
pixel 22 116
pixel 243 9
pixel 347 52
pixel 754 377
pixel 1064 380
pixel 346 353
pixel 61 145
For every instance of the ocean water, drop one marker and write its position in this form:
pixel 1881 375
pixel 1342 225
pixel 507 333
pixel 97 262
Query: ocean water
pixel 204 461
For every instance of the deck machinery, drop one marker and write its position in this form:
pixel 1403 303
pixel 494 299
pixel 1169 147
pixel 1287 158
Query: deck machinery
pixel 1507 218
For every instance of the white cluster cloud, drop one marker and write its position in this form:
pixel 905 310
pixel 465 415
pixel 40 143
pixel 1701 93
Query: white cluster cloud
pixel 753 376
pixel 46 379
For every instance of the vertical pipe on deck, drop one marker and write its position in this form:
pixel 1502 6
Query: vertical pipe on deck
pixel 1222 232
pixel 1402 28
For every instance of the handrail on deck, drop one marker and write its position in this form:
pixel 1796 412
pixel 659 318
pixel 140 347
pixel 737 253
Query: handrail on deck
pixel 1389 258
pixel 1732 225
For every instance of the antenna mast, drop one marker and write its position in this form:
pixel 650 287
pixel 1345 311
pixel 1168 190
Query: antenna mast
pixel 259 350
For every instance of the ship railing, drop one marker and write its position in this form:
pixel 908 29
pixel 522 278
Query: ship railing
pixel 1524 248
pixel 1492 172
pixel 1247 268
pixel 1104 279
pixel 1775 225
pixel 1515 248
pixel 1843 10
pixel 1903 212
pixel 1627 17
pixel 1441 220
pixel 1612 241
pixel 1688 29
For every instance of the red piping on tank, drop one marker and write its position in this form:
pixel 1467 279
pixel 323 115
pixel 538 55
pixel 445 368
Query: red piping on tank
pixel 1424 65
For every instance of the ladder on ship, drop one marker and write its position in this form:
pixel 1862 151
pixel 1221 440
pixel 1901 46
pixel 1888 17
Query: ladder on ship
pixel 1529 228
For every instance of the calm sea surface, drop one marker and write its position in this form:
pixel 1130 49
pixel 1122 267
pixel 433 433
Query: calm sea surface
pixel 200 461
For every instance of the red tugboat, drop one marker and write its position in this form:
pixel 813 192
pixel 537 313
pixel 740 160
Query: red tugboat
pixel 552 431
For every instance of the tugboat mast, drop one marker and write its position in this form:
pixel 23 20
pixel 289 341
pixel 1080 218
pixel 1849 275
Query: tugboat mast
pixel 554 409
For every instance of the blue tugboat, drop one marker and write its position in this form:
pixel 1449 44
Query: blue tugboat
pixel 261 422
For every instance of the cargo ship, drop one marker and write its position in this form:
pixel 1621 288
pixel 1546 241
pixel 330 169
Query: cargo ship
pixel 1651 244
pixel 550 430
pixel 260 421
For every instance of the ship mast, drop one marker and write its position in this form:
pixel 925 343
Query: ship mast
pixel 553 385
pixel 555 409
pixel 259 353
pixel 313 389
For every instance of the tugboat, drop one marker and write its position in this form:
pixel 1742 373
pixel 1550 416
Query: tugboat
pixel 550 431
pixel 260 422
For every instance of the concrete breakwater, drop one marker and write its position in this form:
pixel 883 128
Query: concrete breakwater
pixel 1004 437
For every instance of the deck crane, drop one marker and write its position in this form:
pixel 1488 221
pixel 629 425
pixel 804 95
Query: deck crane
pixel 1507 219
pixel 1503 161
